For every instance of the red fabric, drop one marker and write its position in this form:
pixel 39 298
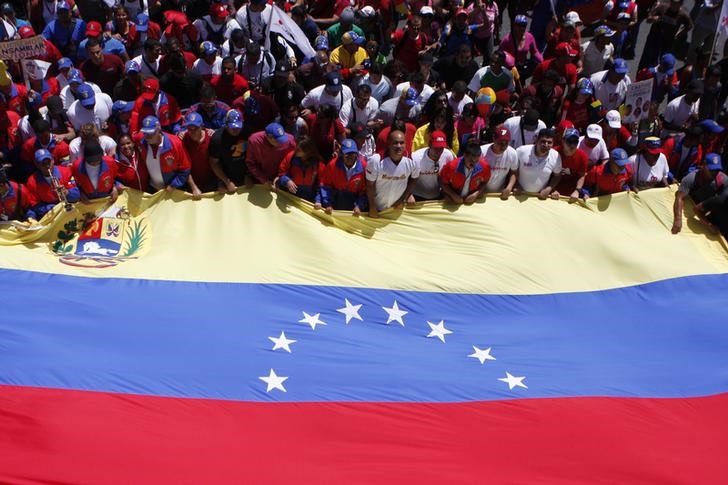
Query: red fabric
pixel 164 62
pixel 201 172
pixel 173 158
pixel 451 176
pixel 15 102
pixel 42 191
pixel 263 159
pixel 9 130
pixel 106 178
pixel 92 437
pixel 577 164
pixel 9 204
pixel 60 151
pixel 127 175
pixel 336 179
pixel 228 90
pixel 406 50
pixel 554 40
pixel 673 154
pixel 168 115
pixel 106 75
pixel 409 136
pixel 300 174
pixel 578 114
pixel 617 138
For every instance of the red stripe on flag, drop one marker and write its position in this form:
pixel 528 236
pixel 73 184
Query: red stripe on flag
pixel 49 435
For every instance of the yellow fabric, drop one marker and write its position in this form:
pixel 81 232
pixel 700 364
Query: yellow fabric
pixel 342 57
pixel 520 246
pixel 422 139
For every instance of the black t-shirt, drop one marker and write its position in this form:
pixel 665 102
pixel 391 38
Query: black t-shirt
pixel 230 150
pixel 289 94
pixel 185 89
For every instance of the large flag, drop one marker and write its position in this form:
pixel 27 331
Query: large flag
pixel 251 339
pixel 284 25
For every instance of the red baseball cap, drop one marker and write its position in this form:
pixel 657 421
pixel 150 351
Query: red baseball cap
pixel 564 49
pixel 93 29
pixel 26 31
pixel 150 88
pixel 218 10
pixel 563 125
pixel 438 139
pixel 502 134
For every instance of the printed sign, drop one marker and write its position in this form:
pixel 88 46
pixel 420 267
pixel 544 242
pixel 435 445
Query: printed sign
pixel 637 103
pixel 16 50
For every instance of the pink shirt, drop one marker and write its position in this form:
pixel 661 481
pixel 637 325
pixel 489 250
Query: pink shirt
pixel 263 159
pixel 528 46
pixel 485 16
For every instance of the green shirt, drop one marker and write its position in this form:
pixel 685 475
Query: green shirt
pixel 335 32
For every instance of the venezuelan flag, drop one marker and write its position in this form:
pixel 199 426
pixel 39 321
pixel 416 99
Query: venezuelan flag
pixel 250 339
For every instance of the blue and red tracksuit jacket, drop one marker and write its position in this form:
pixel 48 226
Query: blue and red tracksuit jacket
pixel 169 115
pixel 17 203
pixel 173 160
pixel 341 192
pixel 44 195
pixel 15 99
pixel 673 151
pixel 453 174
pixel 106 182
pixel 601 181
pixel 305 175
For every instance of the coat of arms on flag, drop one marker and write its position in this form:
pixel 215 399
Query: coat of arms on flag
pixel 104 241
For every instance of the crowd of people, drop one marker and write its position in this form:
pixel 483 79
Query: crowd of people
pixel 360 105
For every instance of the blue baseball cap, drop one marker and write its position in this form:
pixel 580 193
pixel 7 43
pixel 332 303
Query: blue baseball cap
pixel 42 154
pixel 620 157
pixel 132 66
pixel 411 96
pixel 150 125
pixel 585 86
pixel 321 43
pixel 352 37
pixel 334 81
pixel 208 48
pixel 571 134
pixel 86 95
pixel 63 5
pixel 75 76
pixel 64 62
pixel 122 106
pixel 623 5
pixel 711 126
pixel 713 161
pixel 520 20
pixel 667 62
pixel 142 22
pixel 276 130
pixel 349 146
pixel 604 31
pixel 193 119
pixel 233 119
pixel 620 66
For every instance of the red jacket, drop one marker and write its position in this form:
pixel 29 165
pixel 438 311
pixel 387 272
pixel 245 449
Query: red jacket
pixel 106 182
pixel 453 174
pixel 169 114
pixel 15 204
pixel 15 99
pixel 305 176
pixel 59 150
pixel 228 90
pixel 602 181
pixel 672 148
pixel 173 159
pixel 340 192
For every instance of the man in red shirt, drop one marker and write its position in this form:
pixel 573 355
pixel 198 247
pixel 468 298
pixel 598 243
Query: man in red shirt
pixel 229 85
pixel 561 64
pixel 574 165
pixel 266 150
pixel 611 177
pixel 196 141
pixel 465 179
pixel 409 42
pixel 105 70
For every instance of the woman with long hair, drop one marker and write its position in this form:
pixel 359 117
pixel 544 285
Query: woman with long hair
pixel 443 120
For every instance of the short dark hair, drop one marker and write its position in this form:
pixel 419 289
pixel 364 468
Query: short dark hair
pixel 228 60
pixel 472 149
pixel 41 126
pixel 546 133
pixel 92 42
pixel 151 44
pixel 207 91
pixel 363 89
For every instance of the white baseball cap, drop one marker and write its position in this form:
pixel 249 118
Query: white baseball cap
pixel 614 120
pixel 427 10
pixel 573 17
pixel 594 132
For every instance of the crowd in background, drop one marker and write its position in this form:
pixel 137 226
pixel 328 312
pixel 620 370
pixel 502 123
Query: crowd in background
pixel 362 105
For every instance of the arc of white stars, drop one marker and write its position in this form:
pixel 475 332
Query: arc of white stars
pixel 350 311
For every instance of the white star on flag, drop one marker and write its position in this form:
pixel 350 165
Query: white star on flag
pixel 438 330
pixel 282 342
pixel 395 314
pixel 513 381
pixel 481 355
pixel 312 320
pixel 274 381
pixel 350 311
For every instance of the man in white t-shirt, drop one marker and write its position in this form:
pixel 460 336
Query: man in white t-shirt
pixel 523 129
pixel 679 110
pixel 610 87
pixel 594 146
pixel 539 165
pixel 457 99
pixel 431 160
pixel 390 181
pixel 597 51
pixel 361 108
pixel 86 109
pixel 649 165
pixel 503 161
pixel 334 92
